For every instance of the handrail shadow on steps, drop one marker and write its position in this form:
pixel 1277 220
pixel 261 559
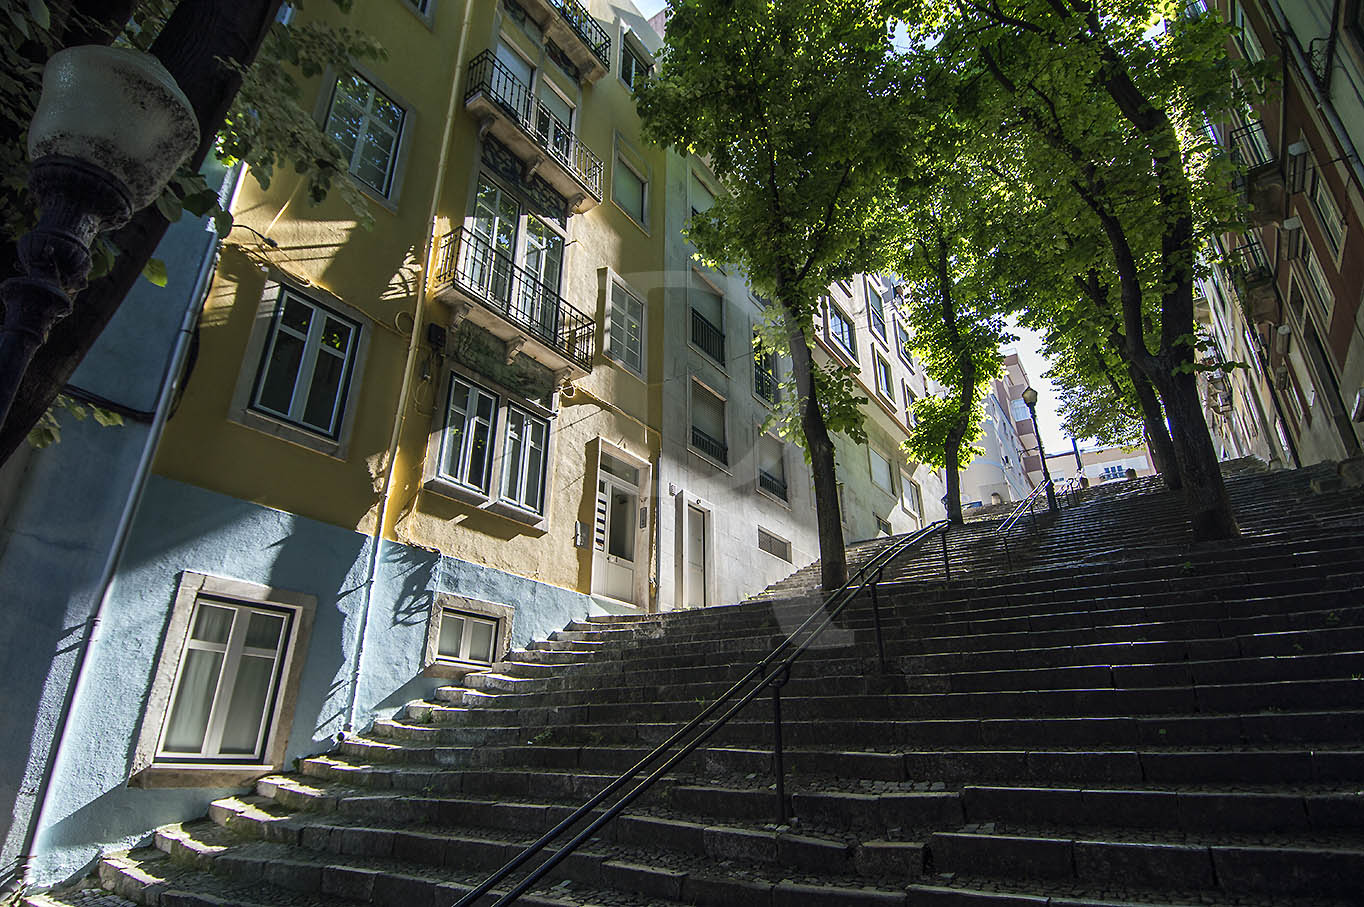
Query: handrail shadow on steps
pixel 793 646
pixel 1027 506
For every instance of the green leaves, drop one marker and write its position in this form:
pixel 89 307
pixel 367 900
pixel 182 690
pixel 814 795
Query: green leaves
pixel 155 272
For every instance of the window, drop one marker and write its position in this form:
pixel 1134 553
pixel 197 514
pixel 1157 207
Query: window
pixel 885 386
pixel 708 423
pixel 701 197
pixel 1112 471
pixel 625 329
pixel 554 123
pixel 1246 38
pixel 222 698
pixel 842 331
pixel 707 320
pixel 629 190
pixel 876 312
pixel 1316 277
pixel 466 456
pixel 524 460
pixel 633 68
pixel 882 525
pixel 765 382
pixel 306 367
pixel 880 471
pixel 911 498
pixel 773 545
pixel 367 124
pixel 1019 409
pixel 229 675
pixel 466 637
pixel 910 418
pixel 772 467
pixel 902 344
pixel 1327 211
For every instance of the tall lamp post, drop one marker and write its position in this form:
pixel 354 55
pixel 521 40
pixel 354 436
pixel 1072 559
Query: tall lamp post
pixel 1030 398
pixel 111 128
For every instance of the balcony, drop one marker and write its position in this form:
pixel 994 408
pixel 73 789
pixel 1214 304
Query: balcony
pixel 765 378
pixel 506 108
pixel 708 338
pixel 1254 278
pixel 571 27
pixel 1262 183
pixel 711 447
pixel 773 485
pixel 512 304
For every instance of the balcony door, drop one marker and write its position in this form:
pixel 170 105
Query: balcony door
pixel 492 252
pixel 544 264
pixel 554 124
pixel 511 81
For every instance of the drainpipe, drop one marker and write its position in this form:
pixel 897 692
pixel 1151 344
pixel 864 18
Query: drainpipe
pixel 170 382
pixel 414 344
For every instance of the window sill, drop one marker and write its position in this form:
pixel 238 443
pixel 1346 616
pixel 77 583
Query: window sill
pixel 518 514
pixel 707 358
pixel 455 492
pixel 209 774
pixel 772 497
pixel 383 201
pixel 643 228
pixel 250 418
pixel 454 669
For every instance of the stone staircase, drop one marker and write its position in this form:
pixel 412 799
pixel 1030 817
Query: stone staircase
pixel 1125 719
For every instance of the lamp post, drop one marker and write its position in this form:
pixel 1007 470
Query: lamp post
pixel 1030 398
pixel 110 130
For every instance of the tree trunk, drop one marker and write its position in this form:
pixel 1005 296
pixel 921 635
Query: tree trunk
pixel 833 558
pixel 965 390
pixel 952 499
pixel 197 38
pixel 1156 431
pixel 1205 494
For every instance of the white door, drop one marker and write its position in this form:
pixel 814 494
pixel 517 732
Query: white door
pixel 696 557
pixel 617 529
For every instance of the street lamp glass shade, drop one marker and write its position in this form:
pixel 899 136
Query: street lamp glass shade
pixel 117 109
pixel 1029 396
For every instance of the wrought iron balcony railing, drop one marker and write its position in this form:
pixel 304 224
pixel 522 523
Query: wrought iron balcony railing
pixel 469 261
pixel 707 337
pixel 765 379
pixel 711 447
pixel 1249 262
pixel 488 75
pixel 772 484
pixel 1250 146
pixel 586 28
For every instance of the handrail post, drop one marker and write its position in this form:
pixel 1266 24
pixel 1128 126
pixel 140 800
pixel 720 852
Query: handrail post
pixel 876 619
pixel 1008 557
pixel 778 761
pixel 1031 515
pixel 946 567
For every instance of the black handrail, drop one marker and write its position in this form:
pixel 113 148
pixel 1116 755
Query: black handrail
pixel 829 610
pixel 1027 504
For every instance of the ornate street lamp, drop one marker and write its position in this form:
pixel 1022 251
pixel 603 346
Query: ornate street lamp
pixel 1030 398
pixel 111 128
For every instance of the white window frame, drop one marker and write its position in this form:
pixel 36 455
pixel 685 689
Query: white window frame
pixel 831 308
pixel 1318 288
pixel 885 378
pixel 876 308
pixel 464 460
pixel 630 45
pixel 910 419
pixel 387 193
pixel 313 349
pixel 444 666
pixel 624 156
pixel 872 456
pixel 911 494
pixel 469 620
pixel 1017 405
pixel 523 465
pixel 613 352
pixel 902 339
pixel 150 767
pixel 1326 209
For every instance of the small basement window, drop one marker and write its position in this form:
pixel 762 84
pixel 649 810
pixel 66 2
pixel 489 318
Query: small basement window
pixel 466 637
pixel 773 545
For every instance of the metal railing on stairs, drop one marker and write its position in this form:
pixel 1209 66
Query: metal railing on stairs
pixel 771 673
pixel 1026 507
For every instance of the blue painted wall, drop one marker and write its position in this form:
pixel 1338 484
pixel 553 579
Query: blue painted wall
pixel 61 506
pixel 180 527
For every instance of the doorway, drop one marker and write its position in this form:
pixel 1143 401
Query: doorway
pixel 620 527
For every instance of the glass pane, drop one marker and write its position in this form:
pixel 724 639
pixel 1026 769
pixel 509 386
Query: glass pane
pixel 611 465
pixel 241 732
pixel 193 700
pixel 277 388
pixel 296 315
pixel 213 624
pixel 628 190
pixel 535 467
pixel 451 634
pixel 323 391
pixel 479 455
pixel 454 429
pixel 511 480
pixel 387 114
pixel 481 637
pixel 263 630
pixel 336 335
pixel 621 542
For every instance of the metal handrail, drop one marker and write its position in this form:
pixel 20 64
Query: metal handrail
pixel 774 679
pixel 1027 504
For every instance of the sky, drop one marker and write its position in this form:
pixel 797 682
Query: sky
pixel 1054 440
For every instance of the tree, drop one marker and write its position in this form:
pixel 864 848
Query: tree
pixel 248 110
pixel 794 102
pixel 1106 101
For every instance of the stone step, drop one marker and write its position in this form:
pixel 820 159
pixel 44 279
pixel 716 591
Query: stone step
pixel 1230 867
pixel 1187 810
pixel 84 894
pixel 958 890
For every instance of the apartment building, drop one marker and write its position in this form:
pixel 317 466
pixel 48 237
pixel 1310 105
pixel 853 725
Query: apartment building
pixel 1002 472
pixel 393 453
pixel 1103 464
pixel 1285 298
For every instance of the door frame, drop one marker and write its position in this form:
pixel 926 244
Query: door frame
pixel 643 534
pixel 684 500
